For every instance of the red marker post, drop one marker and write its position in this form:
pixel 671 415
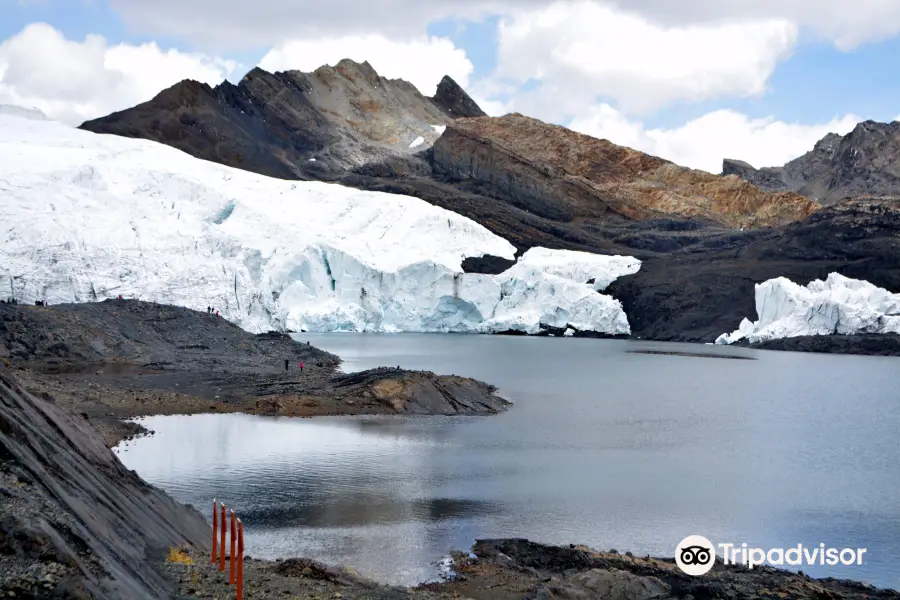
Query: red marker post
pixel 231 573
pixel 215 531
pixel 240 564
pixel 222 541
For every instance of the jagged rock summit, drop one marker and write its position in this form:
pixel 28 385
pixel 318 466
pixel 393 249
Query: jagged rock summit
pixel 294 125
pixel 865 162
pixel 454 101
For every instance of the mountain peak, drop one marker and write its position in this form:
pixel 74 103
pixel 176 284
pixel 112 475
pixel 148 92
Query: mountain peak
pixel 293 124
pixel 454 100
pixel 860 164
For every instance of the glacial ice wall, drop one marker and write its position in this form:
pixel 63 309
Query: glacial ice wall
pixel 87 217
pixel 838 305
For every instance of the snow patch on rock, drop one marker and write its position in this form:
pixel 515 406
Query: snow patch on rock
pixel 90 216
pixel 838 305
pixel 440 129
pixel 417 142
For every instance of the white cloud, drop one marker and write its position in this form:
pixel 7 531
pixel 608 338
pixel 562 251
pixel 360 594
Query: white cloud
pixel 422 61
pixel 846 24
pixel 229 23
pixel 72 81
pixel 703 142
pixel 579 50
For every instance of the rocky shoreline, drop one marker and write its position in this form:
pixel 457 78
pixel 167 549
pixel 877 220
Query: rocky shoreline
pixel 118 359
pixel 518 569
pixel 870 344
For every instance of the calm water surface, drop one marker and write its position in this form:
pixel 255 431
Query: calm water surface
pixel 603 447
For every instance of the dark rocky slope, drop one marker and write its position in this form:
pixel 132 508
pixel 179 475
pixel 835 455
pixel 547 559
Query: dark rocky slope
pixel 698 294
pixel 865 162
pixel 122 358
pixel 74 522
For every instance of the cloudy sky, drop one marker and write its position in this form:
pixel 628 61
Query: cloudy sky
pixel 690 80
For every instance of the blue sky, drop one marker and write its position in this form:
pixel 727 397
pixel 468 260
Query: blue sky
pixel 815 85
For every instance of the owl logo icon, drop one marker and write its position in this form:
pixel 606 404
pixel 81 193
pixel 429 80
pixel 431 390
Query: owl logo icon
pixel 695 555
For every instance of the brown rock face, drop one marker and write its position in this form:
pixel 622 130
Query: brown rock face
pixel 561 174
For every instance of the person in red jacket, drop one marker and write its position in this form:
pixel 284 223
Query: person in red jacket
pixel 301 367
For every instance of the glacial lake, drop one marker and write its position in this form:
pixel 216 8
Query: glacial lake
pixel 603 446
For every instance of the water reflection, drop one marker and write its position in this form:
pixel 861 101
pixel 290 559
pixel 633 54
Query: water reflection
pixel 361 509
pixel 603 447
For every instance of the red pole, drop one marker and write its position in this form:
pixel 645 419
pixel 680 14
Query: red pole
pixel 222 541
pixel 233 549
pixel 215 531
pixel 240 565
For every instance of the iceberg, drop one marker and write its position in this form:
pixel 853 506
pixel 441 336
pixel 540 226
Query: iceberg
pixel 838 305
pixel 87 217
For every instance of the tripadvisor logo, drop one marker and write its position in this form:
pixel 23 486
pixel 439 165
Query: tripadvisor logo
pixel 696 555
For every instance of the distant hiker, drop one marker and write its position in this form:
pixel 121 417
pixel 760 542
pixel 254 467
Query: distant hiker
pixel 301 367
pixel 285 364
pixel 217 313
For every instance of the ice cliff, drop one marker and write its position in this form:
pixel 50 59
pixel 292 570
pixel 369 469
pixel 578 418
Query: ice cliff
pixel 838 305
pixel 87 216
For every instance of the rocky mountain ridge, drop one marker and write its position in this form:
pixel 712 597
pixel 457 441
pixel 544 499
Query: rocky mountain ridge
pixel 348 124
pixel 865 162
pixel 294 125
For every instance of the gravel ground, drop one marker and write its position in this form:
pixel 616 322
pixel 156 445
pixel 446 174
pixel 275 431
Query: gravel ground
pixel 291 579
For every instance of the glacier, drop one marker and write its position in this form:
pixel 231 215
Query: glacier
pixel 838 305
pixel 85 217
